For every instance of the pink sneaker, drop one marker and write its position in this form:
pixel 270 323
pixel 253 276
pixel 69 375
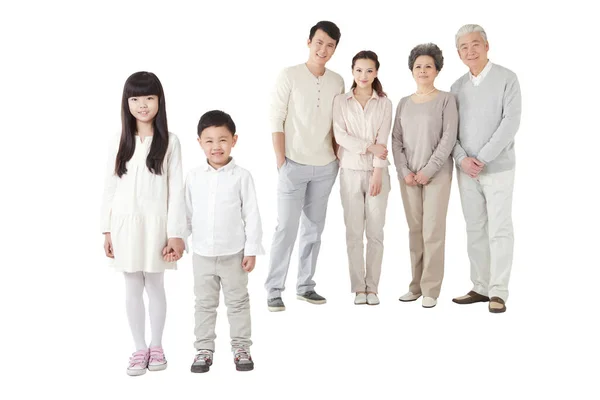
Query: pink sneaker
pixel 157 362
pixel 138 362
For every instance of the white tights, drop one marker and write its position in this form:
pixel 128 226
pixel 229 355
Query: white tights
pixel 134 304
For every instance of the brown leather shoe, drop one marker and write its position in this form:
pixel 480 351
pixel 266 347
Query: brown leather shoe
pixel 496 305
pixel 470 298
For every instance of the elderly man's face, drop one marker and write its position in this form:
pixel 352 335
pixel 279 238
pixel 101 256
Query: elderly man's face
pixel 472 49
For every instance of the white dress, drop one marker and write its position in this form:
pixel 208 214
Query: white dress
pixel 141 210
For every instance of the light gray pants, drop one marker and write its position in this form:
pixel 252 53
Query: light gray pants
pixel 302 193
pixel 363 212
pixel 487 206
pixel 210 273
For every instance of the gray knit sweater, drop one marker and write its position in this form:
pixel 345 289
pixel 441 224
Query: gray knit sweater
pixel 489 117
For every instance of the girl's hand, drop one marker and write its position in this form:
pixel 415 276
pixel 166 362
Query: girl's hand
pixel 375 182
pixel 108 247
pixel 410 179
pixel 421 178
pixel 248 263
pixel 378 150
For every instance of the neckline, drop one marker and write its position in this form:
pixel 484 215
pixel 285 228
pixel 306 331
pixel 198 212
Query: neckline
pixel 428 101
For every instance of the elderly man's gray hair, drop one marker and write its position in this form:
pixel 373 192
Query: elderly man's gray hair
pixel 470 28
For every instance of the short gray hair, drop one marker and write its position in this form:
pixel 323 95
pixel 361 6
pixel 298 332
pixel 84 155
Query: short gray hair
pixel 427 49
pixel 470 28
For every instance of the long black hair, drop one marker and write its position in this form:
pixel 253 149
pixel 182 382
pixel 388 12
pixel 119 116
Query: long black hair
pixel 142 84
pixel 369 55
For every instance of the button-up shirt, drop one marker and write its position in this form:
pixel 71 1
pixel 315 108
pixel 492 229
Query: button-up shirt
pixel 356 129
pixel 301 108
pixel 222 211
pixel 476 80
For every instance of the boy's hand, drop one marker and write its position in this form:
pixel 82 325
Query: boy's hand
pixel 248 263
pixel 108 247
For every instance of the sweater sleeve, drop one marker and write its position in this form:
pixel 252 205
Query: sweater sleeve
pixel 280 98
pixel 398 144
pixel 509 125
pixel 444 148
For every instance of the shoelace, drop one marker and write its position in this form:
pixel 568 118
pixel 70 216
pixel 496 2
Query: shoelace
pixel 242 355
pixel 138 358
pixel 203 355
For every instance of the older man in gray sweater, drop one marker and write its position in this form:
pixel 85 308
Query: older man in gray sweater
pixel 489 105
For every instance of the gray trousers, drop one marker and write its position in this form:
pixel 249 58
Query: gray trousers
pixel 487 206
pixel 210 274
pixel 302 194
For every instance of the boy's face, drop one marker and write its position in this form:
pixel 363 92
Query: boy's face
pixel 217 142
pixel 322 47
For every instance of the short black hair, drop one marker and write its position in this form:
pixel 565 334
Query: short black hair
pixel 216 118
pixel 427 49
pixel 329 28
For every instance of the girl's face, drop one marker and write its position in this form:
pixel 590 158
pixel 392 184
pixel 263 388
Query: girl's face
pixel 144 108
pixel 217 142
pixel 424 70
pixel 364 73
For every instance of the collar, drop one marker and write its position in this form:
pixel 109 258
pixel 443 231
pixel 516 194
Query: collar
pixel 350 95
pixel 228 167
pixel 477 79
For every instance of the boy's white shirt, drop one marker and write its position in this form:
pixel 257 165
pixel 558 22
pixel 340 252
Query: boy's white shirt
pixel 222 211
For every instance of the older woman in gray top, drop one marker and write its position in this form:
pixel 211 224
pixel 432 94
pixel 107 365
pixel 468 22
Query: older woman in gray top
pixel 423 137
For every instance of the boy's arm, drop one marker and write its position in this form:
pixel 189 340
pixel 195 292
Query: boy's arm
pixel 251 217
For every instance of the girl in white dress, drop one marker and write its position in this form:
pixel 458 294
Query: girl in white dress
pixel 143 212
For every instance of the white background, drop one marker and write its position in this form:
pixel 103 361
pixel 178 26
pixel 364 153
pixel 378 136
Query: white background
pixel 64 329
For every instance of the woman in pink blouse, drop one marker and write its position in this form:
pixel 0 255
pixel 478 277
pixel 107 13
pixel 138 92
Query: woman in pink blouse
pixel 362 120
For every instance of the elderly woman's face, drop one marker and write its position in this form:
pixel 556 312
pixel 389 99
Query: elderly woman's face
pixel 424 70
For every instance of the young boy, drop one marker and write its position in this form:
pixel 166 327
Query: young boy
pixel 223 217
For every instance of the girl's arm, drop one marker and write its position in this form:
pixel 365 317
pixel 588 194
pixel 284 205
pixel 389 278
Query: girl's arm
pixel 251 217
pixel 110 186
pixel 176 211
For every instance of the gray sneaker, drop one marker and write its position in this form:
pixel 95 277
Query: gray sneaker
pixel 312 297
pixel 243 359
pixel 275 304
pixel 202 361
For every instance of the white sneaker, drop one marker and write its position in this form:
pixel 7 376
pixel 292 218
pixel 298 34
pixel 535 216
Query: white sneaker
pixel 372 299
pixel 429 302
pixel 410 296
pixel 361 298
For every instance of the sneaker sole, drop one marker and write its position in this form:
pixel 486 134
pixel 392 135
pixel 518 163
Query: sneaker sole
pixel 275 309
pixel 198 369
pixel 158 367
pixel 429 306
pixel 136 372
pixel 311 301
pixel 373 304
pixel 244 367
pixel 359 304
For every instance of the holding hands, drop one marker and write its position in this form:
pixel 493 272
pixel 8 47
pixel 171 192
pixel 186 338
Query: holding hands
pixel 173 251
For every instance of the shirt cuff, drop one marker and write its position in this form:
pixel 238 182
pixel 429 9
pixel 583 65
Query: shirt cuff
pixel 253 250
pixel 459 160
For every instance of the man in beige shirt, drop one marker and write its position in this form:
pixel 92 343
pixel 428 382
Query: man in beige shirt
pixel 301 122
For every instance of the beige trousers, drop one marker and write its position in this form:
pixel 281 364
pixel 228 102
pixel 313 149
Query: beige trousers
pixel 364 213
pixel 210 274
pixel 426 208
